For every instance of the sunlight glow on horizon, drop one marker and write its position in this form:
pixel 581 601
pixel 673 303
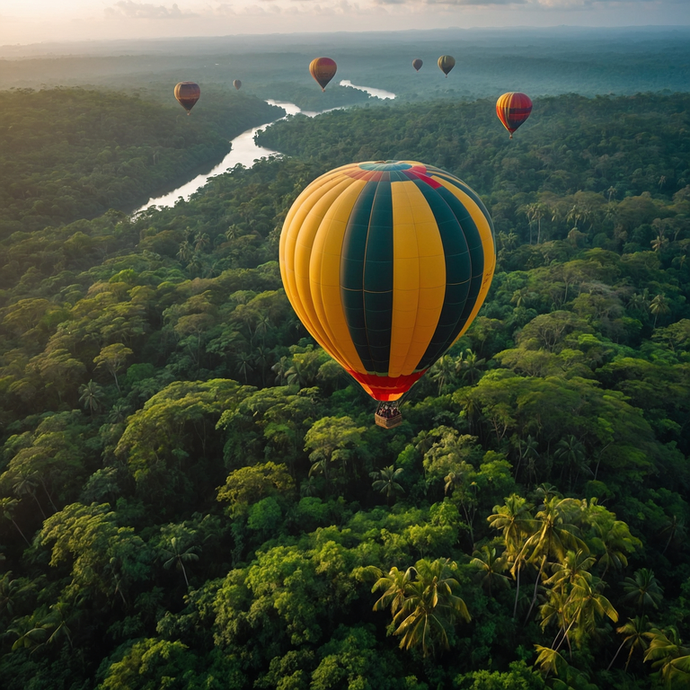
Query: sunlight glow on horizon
pixel 36 21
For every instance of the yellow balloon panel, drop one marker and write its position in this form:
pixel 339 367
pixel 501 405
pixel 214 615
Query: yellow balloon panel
pixel 386 264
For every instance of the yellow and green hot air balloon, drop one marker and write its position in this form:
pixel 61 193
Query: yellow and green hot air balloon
pixel 446 64
pixel 387 264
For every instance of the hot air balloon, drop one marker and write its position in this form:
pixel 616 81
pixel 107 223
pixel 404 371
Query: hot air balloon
pixel 386 264
pixel 446 63
pixel 323 69
pixel 513 109
pixel 187 94
pixel 417 64
pixel 237 84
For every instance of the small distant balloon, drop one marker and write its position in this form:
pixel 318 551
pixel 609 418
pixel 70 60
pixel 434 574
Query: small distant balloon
pixel 513 109
pixel 187 94
pixel 237 84
pixel 417 64
pixel 323 69
pixel 446 63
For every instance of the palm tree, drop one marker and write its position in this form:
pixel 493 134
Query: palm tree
pixel 233 232
pixel 616 542
pixel 519 298
pixel 243 361
pixel 667 653
pixel 119 412
pixel 550 660
pixel 556 533
pixel 424 604
pixel 385 481
pixel 186 252
pixel 7 508
pixel 443 371
pixel 572 453
pixel 565 572
pixel 25 485
pixel 639 302
pixel 178 553
pixel 675 529
pixel 263 325
pixel 57 619
pixel 262 357
pixel 526 449
pixel 12 591
pixel 588 605
pixel 658 306
pixel 643 589
pixel 659 243
pixel 468 365
pixel 577 606
pixel 395 587
pixel 535 212
pixel 201 241
pixel 490 568
pixel 281 369
pixel 29 633
pixel 515 521
pixel 90 395
pixel 634 631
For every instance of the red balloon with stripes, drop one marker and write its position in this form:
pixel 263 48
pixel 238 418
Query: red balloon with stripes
pixel 513 109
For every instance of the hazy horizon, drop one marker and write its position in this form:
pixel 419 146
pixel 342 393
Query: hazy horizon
pixel 26 22
pixel 296 39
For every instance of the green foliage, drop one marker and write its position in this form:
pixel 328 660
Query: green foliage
pixel 250 484
pixel 193 495
pixel 75 153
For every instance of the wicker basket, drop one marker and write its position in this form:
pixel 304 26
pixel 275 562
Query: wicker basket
pixel 388 422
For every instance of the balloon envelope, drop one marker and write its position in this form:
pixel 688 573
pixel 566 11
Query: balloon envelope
pixel 417 64
pixel 386 264
pixel 187 94
pixel 513 109
pixel 237 84
pixel 323 69
pixel 446 63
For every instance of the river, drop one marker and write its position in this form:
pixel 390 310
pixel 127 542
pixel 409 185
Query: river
pixel 376 93
pixel 246 151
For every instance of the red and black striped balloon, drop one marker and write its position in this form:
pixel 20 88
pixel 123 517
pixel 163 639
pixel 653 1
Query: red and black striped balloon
pixel 513 109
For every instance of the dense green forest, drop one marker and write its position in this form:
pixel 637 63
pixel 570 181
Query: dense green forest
pixel 69 154
pixel 193 494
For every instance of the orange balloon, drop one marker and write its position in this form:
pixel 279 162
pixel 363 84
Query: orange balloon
pixel 323 69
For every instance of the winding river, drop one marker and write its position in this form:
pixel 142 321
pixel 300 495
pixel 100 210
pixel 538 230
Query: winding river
pixel 246 151
pixel 376 93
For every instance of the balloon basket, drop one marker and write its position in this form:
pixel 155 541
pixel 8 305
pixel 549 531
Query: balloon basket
pixel 388 415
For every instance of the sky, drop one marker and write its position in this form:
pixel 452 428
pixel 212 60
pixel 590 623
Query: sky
pixel 38 21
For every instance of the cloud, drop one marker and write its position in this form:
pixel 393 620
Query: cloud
pixel 128 9
pixel 476 3
pixel 450 3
